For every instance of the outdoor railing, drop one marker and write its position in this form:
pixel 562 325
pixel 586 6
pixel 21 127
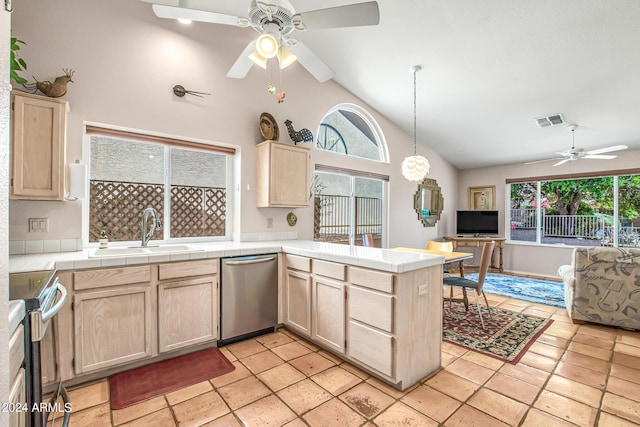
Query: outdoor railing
pixel 590 227
pixel 335 217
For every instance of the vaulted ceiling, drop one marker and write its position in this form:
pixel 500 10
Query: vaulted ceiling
pixel 489 68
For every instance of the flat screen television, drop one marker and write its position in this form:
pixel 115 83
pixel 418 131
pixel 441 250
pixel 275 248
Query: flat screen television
pixel 477 223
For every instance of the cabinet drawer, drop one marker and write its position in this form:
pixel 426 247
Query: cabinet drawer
pixel 90 279
pixel 329 269
pixel 373 308
pixel 185 269
pixel 371 279
pixel 371 347
pixel 298 262
pixel 16 350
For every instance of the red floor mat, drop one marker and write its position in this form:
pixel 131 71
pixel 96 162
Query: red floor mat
pixel 137 385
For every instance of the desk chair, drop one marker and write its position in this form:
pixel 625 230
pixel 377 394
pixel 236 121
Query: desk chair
pixel 432 245
pixel 464 283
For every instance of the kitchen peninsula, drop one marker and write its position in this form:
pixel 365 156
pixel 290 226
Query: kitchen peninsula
pixel 379 309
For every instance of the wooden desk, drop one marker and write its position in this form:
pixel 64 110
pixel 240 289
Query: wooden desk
pixel 449 257
pixel 478 242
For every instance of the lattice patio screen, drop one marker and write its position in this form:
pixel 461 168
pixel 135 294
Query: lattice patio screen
pixel 116 207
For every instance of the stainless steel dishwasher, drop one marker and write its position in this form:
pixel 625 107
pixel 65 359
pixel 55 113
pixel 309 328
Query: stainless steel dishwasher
pixel 248 297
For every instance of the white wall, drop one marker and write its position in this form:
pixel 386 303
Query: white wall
pixel 5 88
pixel 523 257
pixel 126 61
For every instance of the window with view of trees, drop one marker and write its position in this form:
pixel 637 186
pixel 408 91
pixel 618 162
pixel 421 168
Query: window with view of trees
pixel 590 211
pixel 186 186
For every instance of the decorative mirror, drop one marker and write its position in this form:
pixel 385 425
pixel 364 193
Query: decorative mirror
pixel 428 202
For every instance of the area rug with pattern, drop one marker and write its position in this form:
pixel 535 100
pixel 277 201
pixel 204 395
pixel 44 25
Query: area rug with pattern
pixel 507 335
pixel 523 288
pixel 137 385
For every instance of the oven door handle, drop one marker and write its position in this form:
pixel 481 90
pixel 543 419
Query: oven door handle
pixel 53 310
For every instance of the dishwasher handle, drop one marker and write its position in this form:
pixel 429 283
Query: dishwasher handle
pixel 250 261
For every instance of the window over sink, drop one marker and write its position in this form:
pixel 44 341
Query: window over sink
pixel 187 183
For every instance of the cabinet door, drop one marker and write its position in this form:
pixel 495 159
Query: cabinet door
pixel 283 172
pixel 18 398
pixel 113 327
pixel 38 147
pixel 187 313
pixel 298 300
pixel 328 313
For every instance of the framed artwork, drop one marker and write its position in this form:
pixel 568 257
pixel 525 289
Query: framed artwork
pixel 482 198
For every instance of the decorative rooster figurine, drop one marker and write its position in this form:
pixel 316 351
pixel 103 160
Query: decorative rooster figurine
pixel 56 89
pixel 303 135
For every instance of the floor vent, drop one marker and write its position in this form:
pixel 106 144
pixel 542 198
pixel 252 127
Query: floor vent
pixel 552 120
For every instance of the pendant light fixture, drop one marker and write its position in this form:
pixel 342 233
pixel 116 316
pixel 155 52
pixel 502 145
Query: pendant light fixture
pixel 415 168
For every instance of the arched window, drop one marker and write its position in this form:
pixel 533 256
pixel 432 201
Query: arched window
pixel 350 204
pixel 349 129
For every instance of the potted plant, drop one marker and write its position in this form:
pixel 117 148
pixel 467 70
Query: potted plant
pixel 17 64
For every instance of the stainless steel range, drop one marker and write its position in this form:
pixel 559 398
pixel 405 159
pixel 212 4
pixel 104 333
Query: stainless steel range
pixel 44 296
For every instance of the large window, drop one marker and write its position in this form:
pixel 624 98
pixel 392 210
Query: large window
pixel 350 203
pixel 187 185
pixel 587 211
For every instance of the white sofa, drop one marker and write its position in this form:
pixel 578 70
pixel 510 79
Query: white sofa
pixel 602 285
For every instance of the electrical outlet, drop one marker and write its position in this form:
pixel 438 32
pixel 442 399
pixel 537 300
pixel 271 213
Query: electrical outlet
pixel 422 289
pixel 38 225
pixel 269 222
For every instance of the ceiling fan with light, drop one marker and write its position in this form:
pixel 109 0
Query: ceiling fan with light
pixel 578 153
pixel 275 21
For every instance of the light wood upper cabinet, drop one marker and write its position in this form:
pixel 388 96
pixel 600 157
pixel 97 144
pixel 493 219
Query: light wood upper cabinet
pixel 38 147
pixel 282 175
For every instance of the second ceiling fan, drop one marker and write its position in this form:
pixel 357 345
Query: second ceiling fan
pixel 275 21
pixel 578 153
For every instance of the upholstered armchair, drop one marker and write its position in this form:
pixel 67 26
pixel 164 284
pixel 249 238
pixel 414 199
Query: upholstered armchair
pixel 602 285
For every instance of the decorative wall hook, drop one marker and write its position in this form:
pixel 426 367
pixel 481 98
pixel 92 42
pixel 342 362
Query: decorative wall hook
pixel 180 91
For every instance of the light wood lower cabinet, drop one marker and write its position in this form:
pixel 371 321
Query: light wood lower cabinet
pixel 298 301
pixel 328 302
pixel 187 313
pixel 48 364
pixel 17 399
pixel 113 326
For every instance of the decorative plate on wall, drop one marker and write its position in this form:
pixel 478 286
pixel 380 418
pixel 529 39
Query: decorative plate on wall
pixel 292 219
pixel 269 127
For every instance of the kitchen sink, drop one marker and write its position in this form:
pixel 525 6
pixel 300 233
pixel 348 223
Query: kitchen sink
pixel 138 250
pixel 118 252
pixel 170 248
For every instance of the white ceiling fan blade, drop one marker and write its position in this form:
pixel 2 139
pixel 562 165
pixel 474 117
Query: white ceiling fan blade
pixel 352 15
pixel 607 149
pixel 310 61
pixel 243 64
pixel 561 162
pixel 172 12
pixel 540 161
pixel 599 156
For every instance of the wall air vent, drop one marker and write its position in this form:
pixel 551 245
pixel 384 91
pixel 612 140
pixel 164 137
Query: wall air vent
pixel 551 120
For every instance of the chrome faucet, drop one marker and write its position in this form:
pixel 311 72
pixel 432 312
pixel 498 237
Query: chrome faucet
pixel 155 225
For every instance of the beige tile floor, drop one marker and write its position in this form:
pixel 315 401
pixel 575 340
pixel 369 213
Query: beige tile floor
pixel 585 375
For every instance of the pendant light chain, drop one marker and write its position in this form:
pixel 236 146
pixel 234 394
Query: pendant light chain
pixel 415 168
pixel 415 115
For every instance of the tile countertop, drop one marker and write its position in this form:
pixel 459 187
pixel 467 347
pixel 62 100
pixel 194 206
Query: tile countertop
pixel 379 259
pixel 16 314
